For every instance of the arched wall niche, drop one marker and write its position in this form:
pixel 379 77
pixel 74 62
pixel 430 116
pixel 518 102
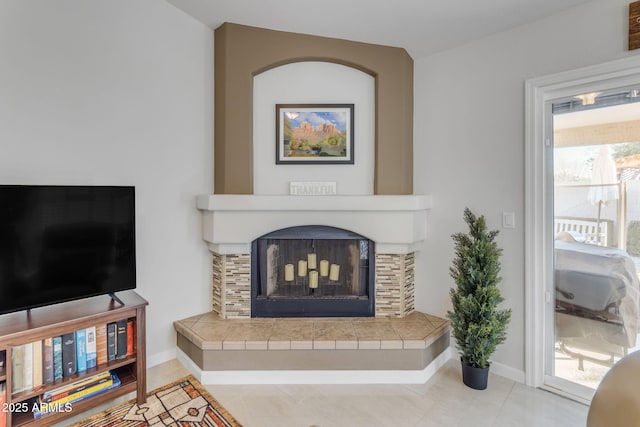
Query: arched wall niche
pixel 321 82
pixel 241 52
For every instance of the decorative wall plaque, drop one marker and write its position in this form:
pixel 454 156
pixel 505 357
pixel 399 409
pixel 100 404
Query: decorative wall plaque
pixel 634 25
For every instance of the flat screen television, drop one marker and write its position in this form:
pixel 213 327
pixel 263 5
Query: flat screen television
pixel 63 243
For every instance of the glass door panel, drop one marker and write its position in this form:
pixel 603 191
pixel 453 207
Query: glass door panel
pixel 596 253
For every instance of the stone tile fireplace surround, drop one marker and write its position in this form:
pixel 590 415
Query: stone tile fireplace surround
pixel 396 225
pixel 397 345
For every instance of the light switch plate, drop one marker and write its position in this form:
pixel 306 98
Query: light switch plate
pixel 508 220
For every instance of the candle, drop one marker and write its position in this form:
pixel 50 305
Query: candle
pixel 324 268
pixel 302 268
pixel 334 272
pixel 288 272
pixel 311 261
pixel 313 279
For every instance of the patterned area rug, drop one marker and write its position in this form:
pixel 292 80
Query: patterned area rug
pixel 183 403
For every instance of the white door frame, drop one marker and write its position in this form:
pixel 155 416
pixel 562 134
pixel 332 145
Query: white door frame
pixel 539 192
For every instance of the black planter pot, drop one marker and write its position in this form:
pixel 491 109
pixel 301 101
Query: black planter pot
pixel 476 378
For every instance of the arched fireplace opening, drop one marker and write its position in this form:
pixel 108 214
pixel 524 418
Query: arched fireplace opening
pixel 312 271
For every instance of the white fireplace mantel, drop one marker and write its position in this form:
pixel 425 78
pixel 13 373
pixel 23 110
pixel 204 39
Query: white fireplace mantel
pixel 397 224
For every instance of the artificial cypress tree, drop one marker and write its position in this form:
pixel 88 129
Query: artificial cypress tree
pixel 478 325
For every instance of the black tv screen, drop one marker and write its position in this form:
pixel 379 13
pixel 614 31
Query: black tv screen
pixel 61 243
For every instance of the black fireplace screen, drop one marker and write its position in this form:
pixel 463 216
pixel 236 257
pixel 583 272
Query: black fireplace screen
pixel 312 271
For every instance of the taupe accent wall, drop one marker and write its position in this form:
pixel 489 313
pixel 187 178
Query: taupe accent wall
pixel 242 52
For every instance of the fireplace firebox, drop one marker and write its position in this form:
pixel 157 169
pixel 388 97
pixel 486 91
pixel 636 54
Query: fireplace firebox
pixel 312 271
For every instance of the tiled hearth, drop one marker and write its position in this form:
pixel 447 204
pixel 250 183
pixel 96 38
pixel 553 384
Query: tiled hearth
pixel 216 344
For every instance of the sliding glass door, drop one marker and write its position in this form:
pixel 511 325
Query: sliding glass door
pixel 594 291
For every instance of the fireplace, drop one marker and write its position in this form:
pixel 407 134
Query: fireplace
pixel 393 228
pixel 312 271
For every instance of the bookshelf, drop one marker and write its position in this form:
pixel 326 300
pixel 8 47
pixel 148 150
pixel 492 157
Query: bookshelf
pixel 22 328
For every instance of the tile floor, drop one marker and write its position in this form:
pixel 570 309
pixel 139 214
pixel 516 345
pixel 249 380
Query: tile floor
pixel 442 402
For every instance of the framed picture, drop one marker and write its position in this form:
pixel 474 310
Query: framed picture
pixel 314 134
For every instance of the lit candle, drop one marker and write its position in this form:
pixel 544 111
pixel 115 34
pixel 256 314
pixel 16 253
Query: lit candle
pixel 335 272
pixel 311 261
pixel 313 279
pixel 288 272
pixel 324 268
pixel 302 268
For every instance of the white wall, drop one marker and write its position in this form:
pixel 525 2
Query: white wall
pixel 469 139
pixel 117 92
pixel 318 83
pixel 120 92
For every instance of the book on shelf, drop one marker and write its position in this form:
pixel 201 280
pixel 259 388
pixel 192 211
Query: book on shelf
pixel 17 369
pixel 47 360
pixel 54 406
pixel 37 365
pixel 73 396
pixel 3 401
pixel 111 342
pixel 27 367
pixel 69 354
pixel 121 339
pixel 3 358
pixel 131 334
pixel 57 358
pixel 91 347
pixel 101 344
pixel 81 350
pixel 75 387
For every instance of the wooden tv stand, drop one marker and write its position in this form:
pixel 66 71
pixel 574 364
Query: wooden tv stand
pixel 37 324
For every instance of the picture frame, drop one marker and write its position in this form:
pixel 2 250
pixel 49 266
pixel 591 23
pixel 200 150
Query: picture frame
pixel 314 134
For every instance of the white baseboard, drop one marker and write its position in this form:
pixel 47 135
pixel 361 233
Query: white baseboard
pixel 496 368
pixel 316 377
pixel 507 372
pixel 158 358
pixel 328 376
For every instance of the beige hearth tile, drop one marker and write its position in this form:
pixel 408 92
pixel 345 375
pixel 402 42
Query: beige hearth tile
pixel 414 344
pixel 211 331
pixel 415 316
pixel 181 325
pixel 256 345
pixel 377 330
pixel 346 345
pixel 324 345
pixel 413 330
pixel 302 345
pixel 210 317
pixel 292 330
pixel 391 344
pixel 209 335
pixel 438 332
pixel 233 345
pixel 212 345
pixel 188 321
pixel 436 321
pixel 279 345
pixel 368 345
pixel 186 328
pixel 192 319
pixel 246 331
pixel 331 330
